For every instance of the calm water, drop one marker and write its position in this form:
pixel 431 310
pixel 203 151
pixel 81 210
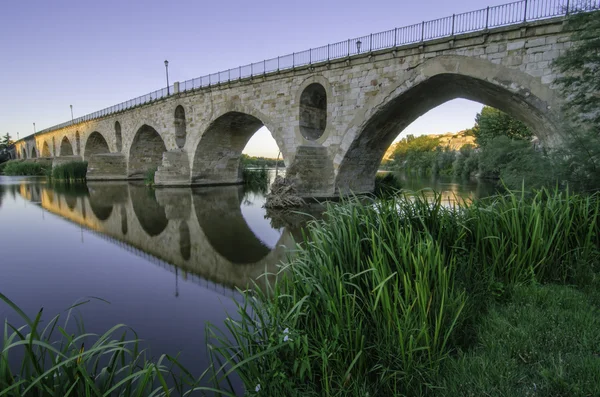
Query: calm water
pixel 167 260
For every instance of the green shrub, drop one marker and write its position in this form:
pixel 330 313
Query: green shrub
pixel 24 168
pixel 256 179
pixel 149 176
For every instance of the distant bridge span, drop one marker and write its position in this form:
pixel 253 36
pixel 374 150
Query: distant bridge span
pixel 334 110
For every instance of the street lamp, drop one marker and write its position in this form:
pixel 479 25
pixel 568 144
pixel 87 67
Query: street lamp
pixel 167 71
pixel 34 128
pixel 71 113
pixel 358 44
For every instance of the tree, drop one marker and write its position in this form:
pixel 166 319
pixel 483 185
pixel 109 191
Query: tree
pixel 492 123
pixel 579 83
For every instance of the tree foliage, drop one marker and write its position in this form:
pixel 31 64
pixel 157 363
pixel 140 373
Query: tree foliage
pixel 492 123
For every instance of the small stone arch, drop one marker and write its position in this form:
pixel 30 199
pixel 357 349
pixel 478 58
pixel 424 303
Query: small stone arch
pixel 33 152
pixel 23 153
pixel 439 80
pixel 313 111
pixel 95 144
pixel 66 149
pixel 46 150
pixel 180 126
pixel 118 137
pixel 146 152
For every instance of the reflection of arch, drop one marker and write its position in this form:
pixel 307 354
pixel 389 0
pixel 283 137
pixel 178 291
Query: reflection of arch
pixel 33 153
pixel 185 244
pixel 45 150
pixel 118 135
pixel 180 126
pixel 149 213
pixel 435 82
pixel 146 151
pixel 102 209
pixel 123 220
pixel 66 149
pixel 220 217
pixel 217 157
pixel 95 144
pixel 313 111
pixel 104 195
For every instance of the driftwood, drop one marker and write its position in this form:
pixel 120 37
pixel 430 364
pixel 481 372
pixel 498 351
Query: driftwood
pixel 283 195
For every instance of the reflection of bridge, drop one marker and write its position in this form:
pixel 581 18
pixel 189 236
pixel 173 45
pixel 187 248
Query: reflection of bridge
pixel 333 110
pixel 200 231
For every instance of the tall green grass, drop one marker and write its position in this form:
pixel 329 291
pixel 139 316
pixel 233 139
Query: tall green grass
pixel 74 171
pixel 54 362
pixel 382 292
pixel 149 176
pixel 256 179
pixel 24 168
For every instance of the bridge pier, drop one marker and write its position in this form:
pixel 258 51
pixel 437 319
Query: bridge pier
pixel 312 172
pixel 175 169
pixel 107 166
pixel 65 159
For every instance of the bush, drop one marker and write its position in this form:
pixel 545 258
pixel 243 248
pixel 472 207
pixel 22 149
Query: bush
pixel 24 168
pixel 256 179
pixel 149 176
pixel 387 184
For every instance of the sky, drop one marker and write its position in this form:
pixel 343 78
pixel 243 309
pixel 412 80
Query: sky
pixel 94 54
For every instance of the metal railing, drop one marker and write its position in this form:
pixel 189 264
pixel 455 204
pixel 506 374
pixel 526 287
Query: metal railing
pixel 514 13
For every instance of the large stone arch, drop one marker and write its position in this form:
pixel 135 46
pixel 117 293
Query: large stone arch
pixel 434 82
pixel 95 143
pixel 146 152
pixel 66 149
pixel 218 153
pixel 46 150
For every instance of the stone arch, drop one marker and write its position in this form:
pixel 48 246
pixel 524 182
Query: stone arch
pixel 46 150
pixel 218 153
pixel 23 153
pixel 33 152
pixel 118 136
pixel 313 112
pixel 95 144
pixel 66 149
pixel 437 81
pixel 180 126
pixel 146 152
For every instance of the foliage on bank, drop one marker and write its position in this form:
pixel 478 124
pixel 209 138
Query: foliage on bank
pixel 381 294
pixel 24 168
pixel 259 162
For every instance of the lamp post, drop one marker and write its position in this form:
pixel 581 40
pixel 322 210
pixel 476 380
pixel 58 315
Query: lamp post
pixel 358 44
pixel 34 128
pixel 71 113
pixel 167 71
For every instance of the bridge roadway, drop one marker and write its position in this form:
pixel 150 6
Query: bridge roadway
pixel 198 232
pixel 332 119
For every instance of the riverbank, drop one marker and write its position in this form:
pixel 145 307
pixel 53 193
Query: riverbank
pixel 408 297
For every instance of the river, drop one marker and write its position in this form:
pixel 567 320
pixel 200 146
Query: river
pixel 165 262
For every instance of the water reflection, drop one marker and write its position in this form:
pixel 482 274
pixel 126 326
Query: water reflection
pixel 201 231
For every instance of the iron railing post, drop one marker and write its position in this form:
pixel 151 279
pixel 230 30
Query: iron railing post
pixel 395 37
pixel 251 69
pixel 278 64
pixel 264 66
pixel 487 18
pixel 371 43
pixel 567 12
pixel 240 73
pixel 453 17
pixel 293 60
pixel 423 31
pixel 348 47
pixel 310 56
pixel 525 12
pixel 328 52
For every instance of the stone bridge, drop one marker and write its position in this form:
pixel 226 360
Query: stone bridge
pixel 332 120
pixel 199 232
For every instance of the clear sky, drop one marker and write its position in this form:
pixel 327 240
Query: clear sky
pixel 93 54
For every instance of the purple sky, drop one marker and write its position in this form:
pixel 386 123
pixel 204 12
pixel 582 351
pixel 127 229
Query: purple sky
pixel 94 54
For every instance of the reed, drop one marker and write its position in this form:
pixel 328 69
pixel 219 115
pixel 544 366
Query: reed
pixel 24 168
pixel 380 293
pixel 256 179
pixel 74 171
pixel 55 362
